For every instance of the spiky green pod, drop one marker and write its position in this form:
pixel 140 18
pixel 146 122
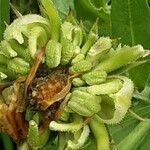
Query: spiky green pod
pixel 78 82
pixel 120 58
pixel 94 77
pixel 53 54
pixel 74 126
pixel 84 104
pixel 80 67
pixel 81 141
pixel 106 88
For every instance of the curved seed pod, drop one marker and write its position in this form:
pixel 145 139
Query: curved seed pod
pixel 33 137
pixel 120 58
pixel 48 8
pixel 18 66
pixel 77 36
pixel 78 82
pixel 78 58
pixel 7 50
pixel 81 141
pixel 84 104
pixel 22 24
pixel 21 50
pixel 67 51
pixel 131 141
pixel 53 54
pixel 74 126
pixel 100 133
pixel 94 77
pixel 92 37
pixel 37 39
pixel 79 67
pixel 106 88
pixel 121 102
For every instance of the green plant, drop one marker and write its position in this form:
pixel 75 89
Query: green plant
pixel 60 81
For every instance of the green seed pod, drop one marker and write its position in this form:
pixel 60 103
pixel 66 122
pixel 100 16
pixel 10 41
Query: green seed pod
pixel 120 57
pixel 78 58
pixel 100 48
pixel 131 141
pixel 18 66
pixel 67 51
pixel 53 54
pixel 7 50
pixel 78 82
pixel 94 77
pixel 21 50
pixel 84 104
pixel 37 39
pixel 74 126
pixel 106 88
pixel 100 133
pixel 81 66
pixel 81 141
pixel 77 36
pixel 102 44
pixel 22 24
pixel 33 137
pixel 119 102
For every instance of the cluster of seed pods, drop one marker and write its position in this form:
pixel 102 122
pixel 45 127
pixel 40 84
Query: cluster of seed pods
pixel 94 93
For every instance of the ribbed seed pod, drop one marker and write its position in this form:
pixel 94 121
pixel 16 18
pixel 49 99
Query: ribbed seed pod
pixel 94 77
pixel 53 54
pixel 84 104
pixel 81 66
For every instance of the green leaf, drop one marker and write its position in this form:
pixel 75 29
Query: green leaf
pixel 63 7
pixel 89 10
pixel 4 16
pixel 131 21
pixel 120 131
pixel 145 94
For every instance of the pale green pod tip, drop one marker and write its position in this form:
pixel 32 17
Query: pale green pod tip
pixel 102 44
pixel 67 30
